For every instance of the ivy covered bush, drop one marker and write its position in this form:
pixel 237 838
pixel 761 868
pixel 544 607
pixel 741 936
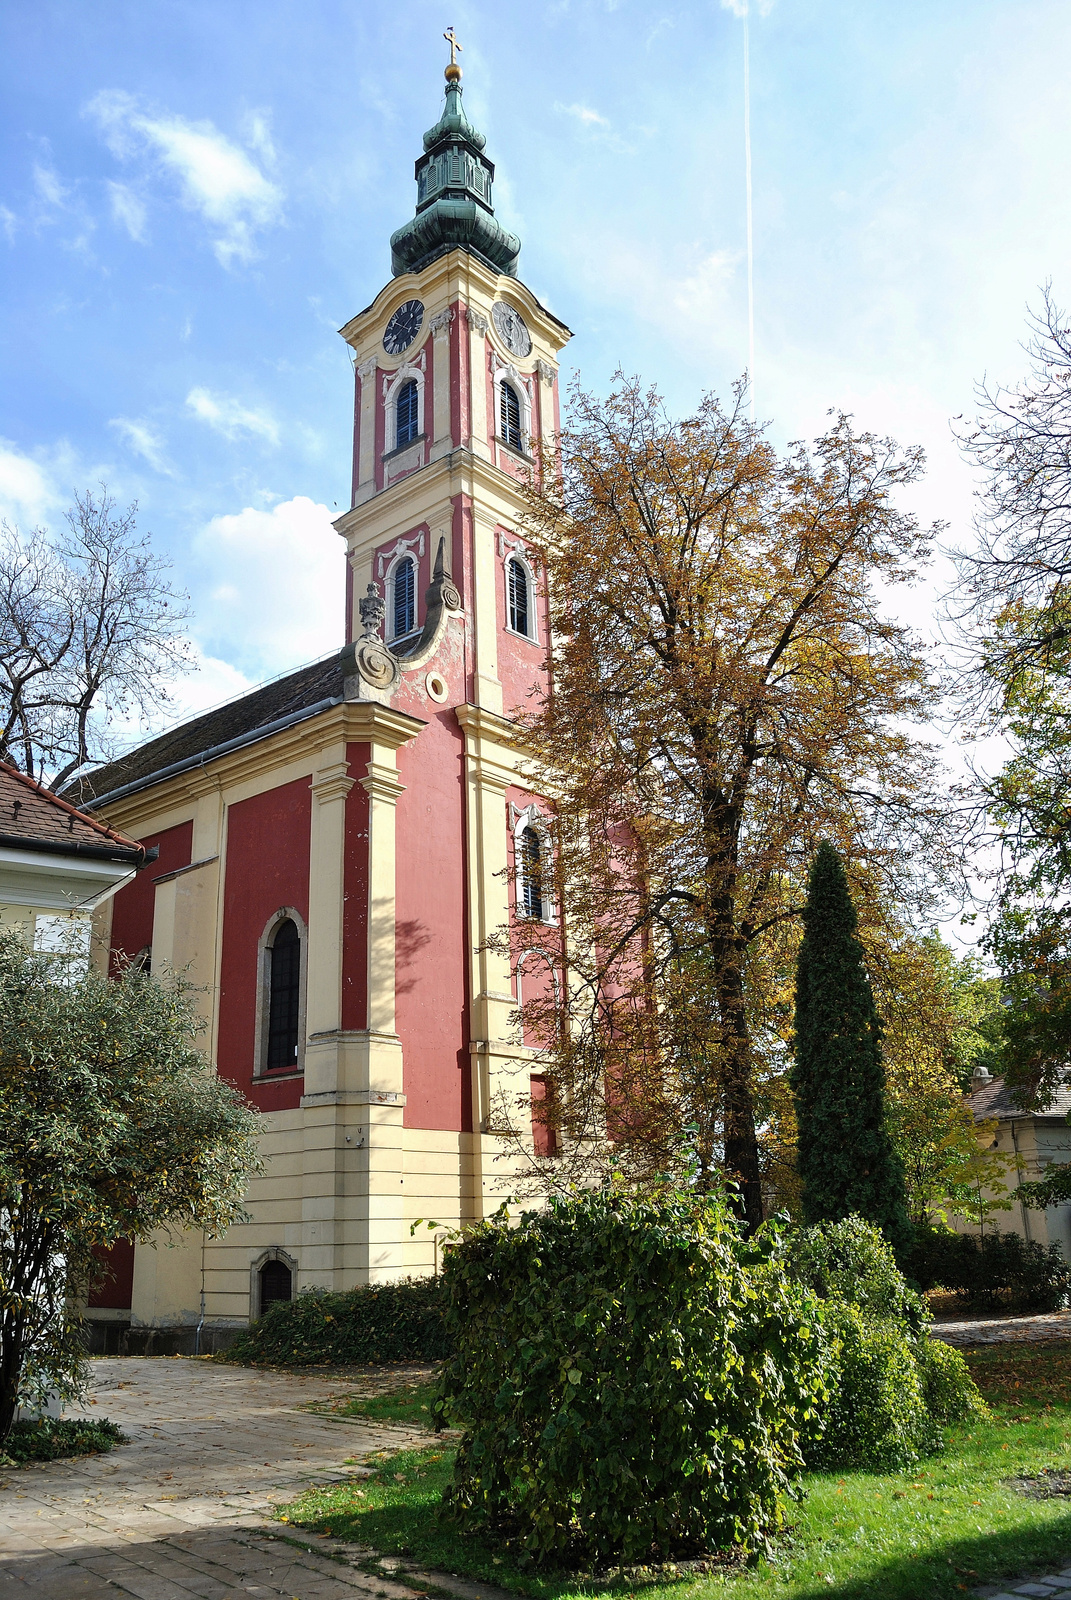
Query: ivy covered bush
pixel 891 1387
pixel 375 1323
pixel 635 1381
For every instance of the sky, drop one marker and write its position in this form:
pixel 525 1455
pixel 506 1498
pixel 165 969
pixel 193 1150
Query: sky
pixel 194 197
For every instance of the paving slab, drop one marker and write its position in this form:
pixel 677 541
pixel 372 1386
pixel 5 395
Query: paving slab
pixel 183 1510
pixel 1003 1328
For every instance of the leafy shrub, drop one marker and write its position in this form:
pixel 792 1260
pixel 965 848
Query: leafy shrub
pixel 949 1390
pixel 1001 1269
pixel 377 1322
pixel 852 1261
pixel 50 1439
pixel 625 1389
pixel 891 1387
pixel 877 1415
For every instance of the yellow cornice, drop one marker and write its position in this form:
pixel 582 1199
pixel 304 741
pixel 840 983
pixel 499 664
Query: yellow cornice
pixel 349 722
pixel 440 482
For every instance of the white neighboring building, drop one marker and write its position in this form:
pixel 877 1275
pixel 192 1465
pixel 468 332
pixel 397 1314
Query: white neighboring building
pixel 1039 1138
pixel 56 864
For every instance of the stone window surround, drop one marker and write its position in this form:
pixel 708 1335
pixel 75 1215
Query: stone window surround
pixel 531 817
pixel 261 1073
pixel 273 1253
pixel 510 548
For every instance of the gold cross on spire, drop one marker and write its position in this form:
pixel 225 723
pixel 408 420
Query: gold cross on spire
pixel 453 70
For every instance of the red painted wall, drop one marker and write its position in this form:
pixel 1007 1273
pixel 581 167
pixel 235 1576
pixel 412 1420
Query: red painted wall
pixel 116 1289
pixel 432 937
pixel 267 867
pixel 133 906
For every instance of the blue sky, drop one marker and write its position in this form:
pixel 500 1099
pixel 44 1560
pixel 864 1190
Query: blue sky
pixel 196 196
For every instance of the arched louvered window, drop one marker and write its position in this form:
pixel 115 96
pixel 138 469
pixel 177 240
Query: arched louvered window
pixel 404 594
pixel 519 607
pixel 510 416
pixel 408 414
pixel 284 977
pixel 276 1283
pixel 532 873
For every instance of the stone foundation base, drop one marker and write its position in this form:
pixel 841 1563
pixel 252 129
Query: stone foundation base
pixel 121 1339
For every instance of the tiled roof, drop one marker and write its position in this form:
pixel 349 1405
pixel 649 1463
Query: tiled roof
pixel 992 1099
pixel 284 697
pixel 35 818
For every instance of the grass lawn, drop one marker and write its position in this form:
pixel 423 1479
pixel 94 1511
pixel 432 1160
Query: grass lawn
pixel 935 1533
pixel 412 1404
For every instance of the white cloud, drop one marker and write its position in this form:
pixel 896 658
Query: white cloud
pixel 129 210
pixel 48 185
pixel 27 491
pixel 218 179
pixel 9 221
pixel 274 586
pixel 141 439
pixel 584 114
pixel 743 8
pixel 229 417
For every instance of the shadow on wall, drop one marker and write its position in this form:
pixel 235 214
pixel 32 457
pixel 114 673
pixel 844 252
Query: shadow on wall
pixel 120 1339
pixel 410 939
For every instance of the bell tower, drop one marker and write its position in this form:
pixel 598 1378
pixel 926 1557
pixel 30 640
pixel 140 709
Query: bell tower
pixel 456 393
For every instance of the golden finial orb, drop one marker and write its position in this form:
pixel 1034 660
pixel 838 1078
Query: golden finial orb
pixel 453 71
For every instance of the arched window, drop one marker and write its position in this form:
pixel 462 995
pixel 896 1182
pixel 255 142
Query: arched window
pixel 276 1283
pixel 531 873
pixel 407 412
pixel 284 996
pixel 519 608
pixel 509 405
pixel 404 597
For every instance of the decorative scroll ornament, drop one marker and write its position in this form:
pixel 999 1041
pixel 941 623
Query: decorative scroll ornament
pixel 440 322
pixel 546 371
pixel 476 320
pixel 373 660
pixel 367 369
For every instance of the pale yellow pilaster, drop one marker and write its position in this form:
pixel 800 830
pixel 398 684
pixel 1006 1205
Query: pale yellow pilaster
pixel 485 610
pixel 477 326
pixel 442 442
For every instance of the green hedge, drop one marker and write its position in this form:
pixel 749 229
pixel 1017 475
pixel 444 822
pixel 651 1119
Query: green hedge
pixel 891 1387
pixel 375 1323
pixel 634 1380
pixel 1001 1269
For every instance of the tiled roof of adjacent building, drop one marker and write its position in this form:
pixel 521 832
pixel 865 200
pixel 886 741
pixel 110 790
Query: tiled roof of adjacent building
pixel 33 818
pixel 992 1099
pixel 256 712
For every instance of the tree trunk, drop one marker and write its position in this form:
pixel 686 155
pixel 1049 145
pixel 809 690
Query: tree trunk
pixel 10 1372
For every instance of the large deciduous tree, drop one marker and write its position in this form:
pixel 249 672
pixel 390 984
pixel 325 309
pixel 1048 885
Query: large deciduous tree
pixel 90 630
pixel 847 1161
pixel 724 692
pixel 1015 610
pixel 112 1125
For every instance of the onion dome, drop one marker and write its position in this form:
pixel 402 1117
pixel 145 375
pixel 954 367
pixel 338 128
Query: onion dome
pixel 454 209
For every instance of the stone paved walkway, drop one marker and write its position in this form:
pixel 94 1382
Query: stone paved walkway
pixel 182 1510
pixel 1002 1329
pixel 1059 1583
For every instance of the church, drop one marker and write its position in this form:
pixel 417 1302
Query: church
pixel 334 849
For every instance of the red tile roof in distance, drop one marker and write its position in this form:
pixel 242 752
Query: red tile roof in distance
pixel 34 817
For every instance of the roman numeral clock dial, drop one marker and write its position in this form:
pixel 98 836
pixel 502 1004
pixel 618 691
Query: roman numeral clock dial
pixel 403 327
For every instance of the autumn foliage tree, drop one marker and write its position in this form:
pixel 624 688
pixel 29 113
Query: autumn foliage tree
pixel 724 693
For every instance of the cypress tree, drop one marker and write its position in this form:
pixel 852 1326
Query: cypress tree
pixel 846 1159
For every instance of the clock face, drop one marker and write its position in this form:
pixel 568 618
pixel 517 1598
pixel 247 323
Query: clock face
pixel 510 327
pixel 403 327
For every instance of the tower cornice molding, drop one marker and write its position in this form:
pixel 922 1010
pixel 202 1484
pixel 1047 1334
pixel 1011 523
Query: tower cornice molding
pixel 428 493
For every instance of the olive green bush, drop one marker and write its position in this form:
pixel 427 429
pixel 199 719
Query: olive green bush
pixel 376 1322
pixel 891 1387
pixel 634 1379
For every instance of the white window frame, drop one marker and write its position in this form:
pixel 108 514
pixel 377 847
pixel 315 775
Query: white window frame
pixel 532 817
pixel 260 1044
pixel 520 385
pixel 391 389
pixel 514 552
pixel 403 555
